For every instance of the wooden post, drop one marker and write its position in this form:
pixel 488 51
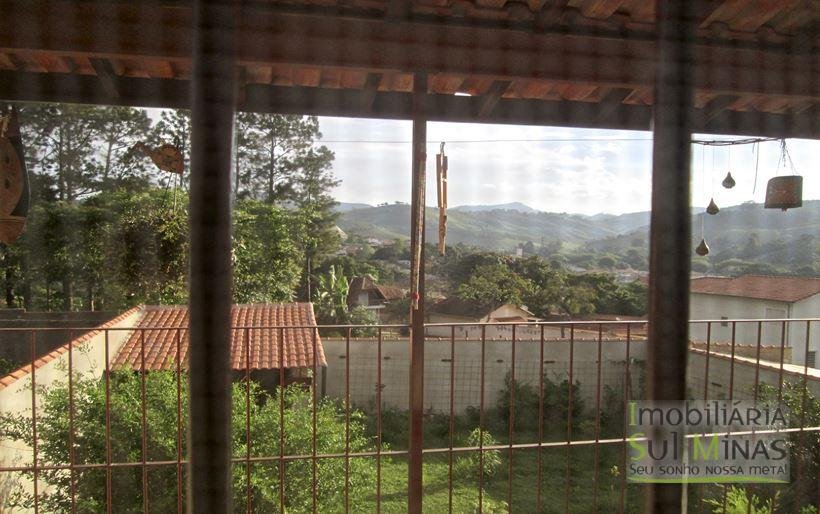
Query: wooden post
pixel 414 483
pixel 213 93
pixel 670 250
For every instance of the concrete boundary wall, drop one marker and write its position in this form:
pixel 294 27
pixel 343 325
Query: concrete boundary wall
pixel 363 369
pixel 362 366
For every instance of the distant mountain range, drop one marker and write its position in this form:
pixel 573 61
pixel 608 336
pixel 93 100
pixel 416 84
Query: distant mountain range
pixel 503 227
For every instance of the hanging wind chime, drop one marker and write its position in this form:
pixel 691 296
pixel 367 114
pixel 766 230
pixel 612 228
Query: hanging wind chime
pixel 441 182
pixel 712 208
pixel 784 192
pixel 14 186
pixel 703 249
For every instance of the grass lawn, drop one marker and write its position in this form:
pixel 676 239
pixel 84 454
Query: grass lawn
pixel 524 491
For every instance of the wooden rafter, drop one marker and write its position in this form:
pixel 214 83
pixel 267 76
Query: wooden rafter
pixel 106 76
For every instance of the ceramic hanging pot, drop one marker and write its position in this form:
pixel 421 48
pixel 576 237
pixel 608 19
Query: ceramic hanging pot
pixel 729 181
pixel 702 249
pixel 712 208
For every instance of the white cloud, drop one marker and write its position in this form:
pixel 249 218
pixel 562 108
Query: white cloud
pixel 611 175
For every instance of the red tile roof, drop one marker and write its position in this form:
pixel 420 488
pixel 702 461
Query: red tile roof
pixel 762 287
pixel 45 359
pixel 161 347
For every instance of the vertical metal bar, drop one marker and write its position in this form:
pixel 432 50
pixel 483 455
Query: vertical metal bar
pixel 627 389
pixel 757 359
pixel 180 504
pixel 109 497
pixel 35 468
pixel 481 422
pixel 567 481
pixel 212 113
pixel 540 420
pixel 725 496
pixel 143 423
pixel 347 421
pixel 281 420
pixel 597 459
pixel 313 443
pixel 452 418
pixel 379 423
pixel 71 451
pixel 782 358
pixel 803 408
pixel 670 226
pixel 414 483
pixel 732 362
pixel 248 497
pixel 708 354
pixel 511 427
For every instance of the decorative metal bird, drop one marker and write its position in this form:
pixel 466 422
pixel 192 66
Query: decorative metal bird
pixel 166 157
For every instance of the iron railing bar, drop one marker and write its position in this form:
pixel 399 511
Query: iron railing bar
pixel 143 423
pixel 511 424
pixel 314 384
pixel 281 464
pixel 109 496
pixel 540 419
pixel 71 440
pixel 597 457
pixel 627 388
pixel 567 476
pixel 451 421
pixel 481 422
pixel 179 420
pixel 35 468
pixel 347 422
pixel 249 496
pixel 379 423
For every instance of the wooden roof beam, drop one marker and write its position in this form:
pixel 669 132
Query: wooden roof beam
pixel 371 87
pixel 273 37
pixel 106 76
pixel 171 93
pixel 490 99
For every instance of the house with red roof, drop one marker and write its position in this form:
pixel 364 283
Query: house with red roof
pixel 758 297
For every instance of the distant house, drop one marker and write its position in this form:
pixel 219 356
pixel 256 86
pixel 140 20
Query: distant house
pixel 755 297
pixel 364 292
pixel 455 310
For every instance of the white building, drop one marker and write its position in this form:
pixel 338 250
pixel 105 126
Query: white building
pixel 756 297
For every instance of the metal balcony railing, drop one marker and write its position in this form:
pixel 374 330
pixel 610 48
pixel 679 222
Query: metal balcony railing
pixel 518 416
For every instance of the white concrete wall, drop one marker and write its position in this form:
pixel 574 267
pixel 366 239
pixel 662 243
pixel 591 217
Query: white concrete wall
pixel 741 377
pixel 808 308
pixel 363 366
pixel 88 359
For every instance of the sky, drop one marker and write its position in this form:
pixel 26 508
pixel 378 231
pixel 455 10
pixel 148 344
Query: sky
pixel 553 169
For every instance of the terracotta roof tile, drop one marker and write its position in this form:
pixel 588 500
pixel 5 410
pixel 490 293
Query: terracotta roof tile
pixel 762 287
pixel 287 321
pixel 45 359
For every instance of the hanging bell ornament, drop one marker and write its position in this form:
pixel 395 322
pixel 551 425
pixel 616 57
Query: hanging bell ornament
pixel 728 182
pixel 702 249
pixel 784 192
pixel 712 208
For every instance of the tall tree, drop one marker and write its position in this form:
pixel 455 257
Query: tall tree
pixel 61 143
pixel 121 129
pixel 274 146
